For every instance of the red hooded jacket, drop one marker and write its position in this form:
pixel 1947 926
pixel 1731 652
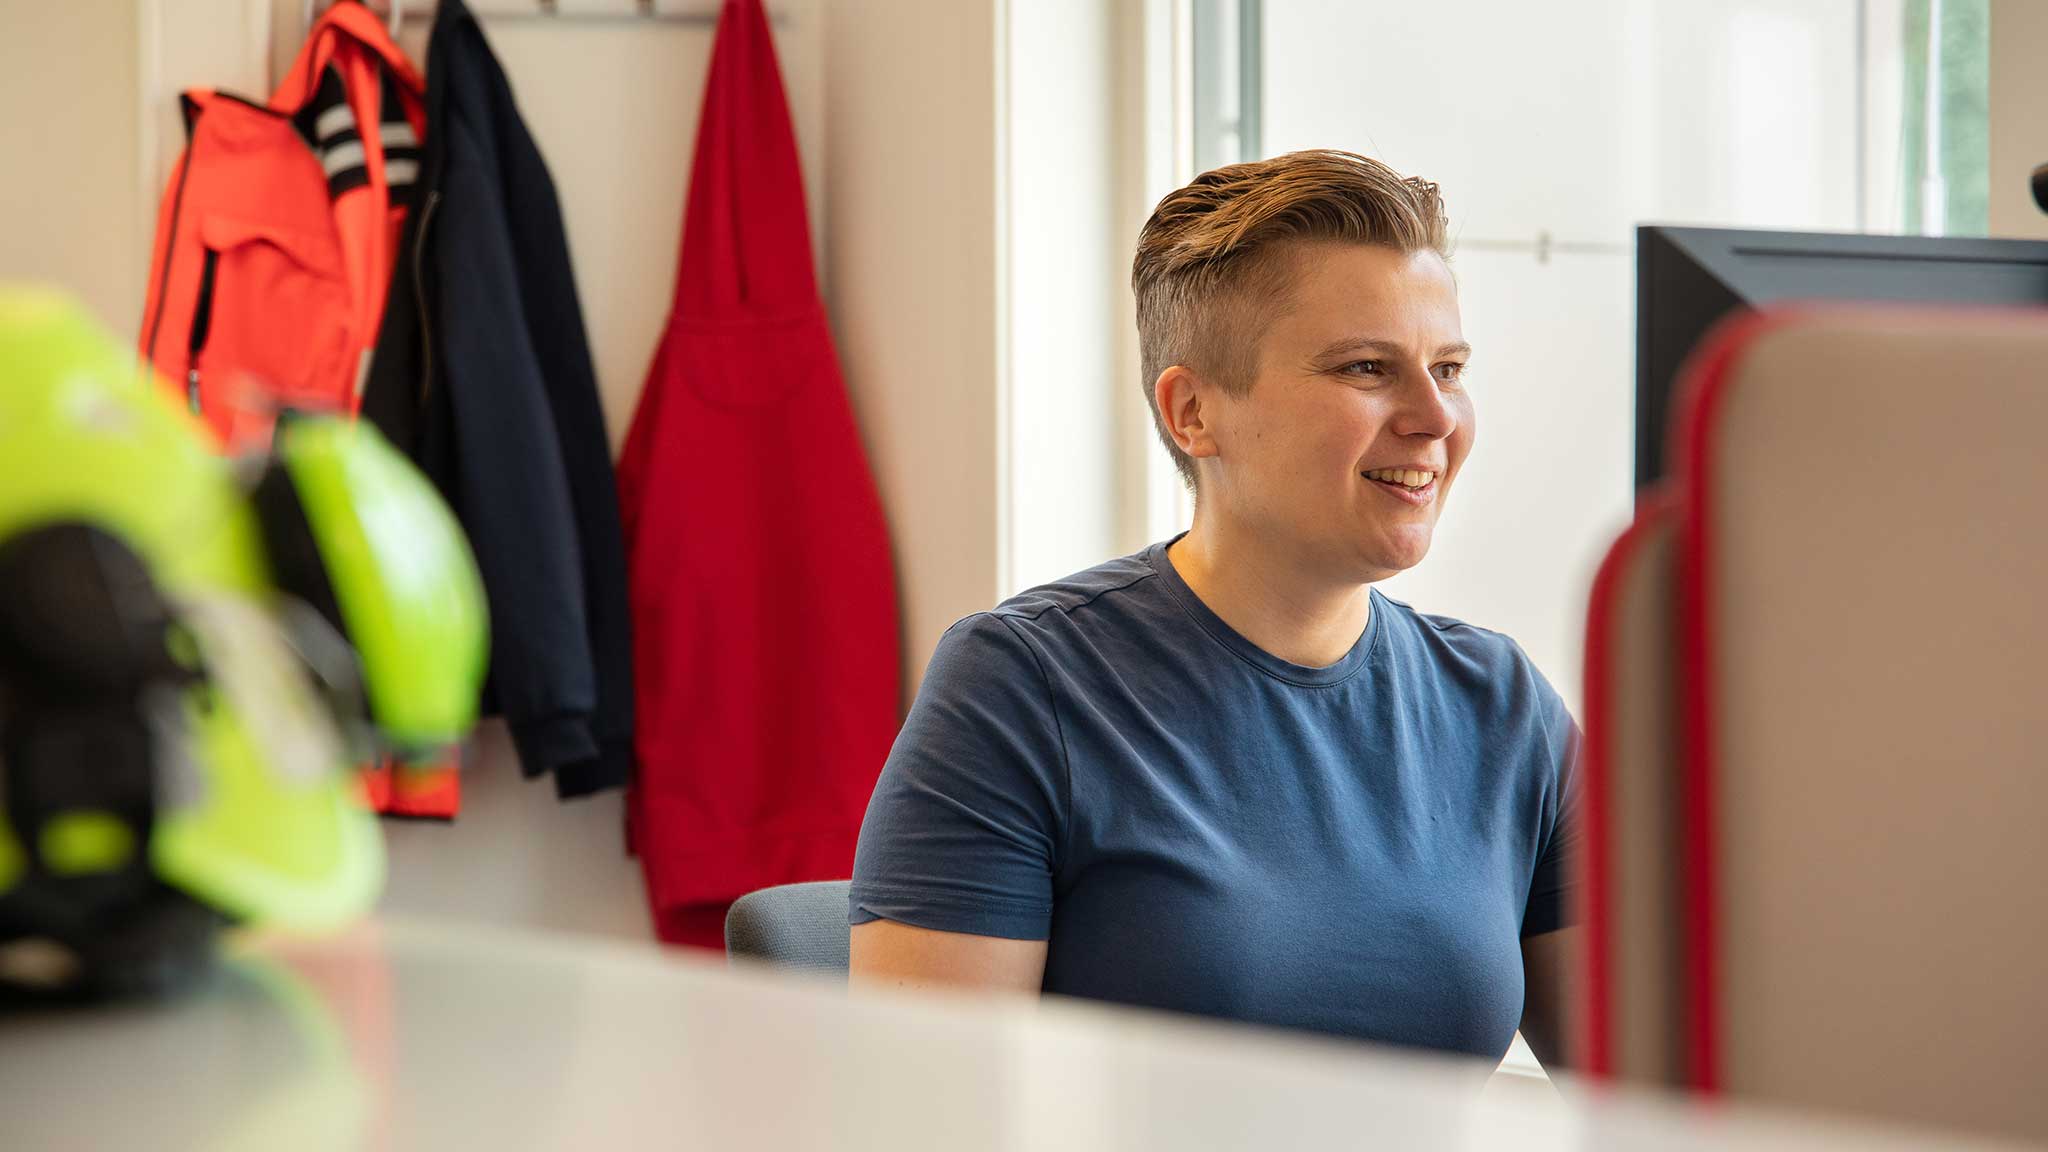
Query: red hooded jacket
pixel 766 650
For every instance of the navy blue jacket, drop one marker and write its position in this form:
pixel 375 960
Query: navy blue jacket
pixel 483 376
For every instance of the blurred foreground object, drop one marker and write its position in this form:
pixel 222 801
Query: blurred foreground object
pixel 510 1040
pixel 1814 726
pixel 185 671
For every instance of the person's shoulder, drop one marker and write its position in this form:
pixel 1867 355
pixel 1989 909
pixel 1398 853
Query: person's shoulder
pixel 1041 628
pixel 1448 630
pixel 1486 655
pixel 1490 681
pixel 1091 597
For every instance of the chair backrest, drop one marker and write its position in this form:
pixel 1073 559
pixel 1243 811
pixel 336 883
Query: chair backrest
pixel 792 925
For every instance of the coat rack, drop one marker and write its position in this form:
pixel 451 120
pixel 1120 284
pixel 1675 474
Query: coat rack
pixel 643 11
pixel 394 10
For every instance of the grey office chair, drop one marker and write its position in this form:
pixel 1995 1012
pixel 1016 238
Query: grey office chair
pixel 793 925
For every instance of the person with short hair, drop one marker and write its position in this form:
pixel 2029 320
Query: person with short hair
pixel 1225 775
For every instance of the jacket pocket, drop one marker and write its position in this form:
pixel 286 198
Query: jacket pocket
pixel 272 329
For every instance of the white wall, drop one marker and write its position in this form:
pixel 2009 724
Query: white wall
pixel 91 127
pixel 1553 130
pixel 911 280
pixel 42 49
pixel 518 856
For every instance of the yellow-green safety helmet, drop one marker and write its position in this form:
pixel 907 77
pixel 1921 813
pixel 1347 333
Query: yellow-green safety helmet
pixel 181 664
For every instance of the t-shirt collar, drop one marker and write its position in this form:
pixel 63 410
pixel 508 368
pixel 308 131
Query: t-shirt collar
pixel 1251 653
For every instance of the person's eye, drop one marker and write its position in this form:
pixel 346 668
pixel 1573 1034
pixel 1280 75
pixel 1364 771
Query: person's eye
pixel 1450 372
pixel 1363 368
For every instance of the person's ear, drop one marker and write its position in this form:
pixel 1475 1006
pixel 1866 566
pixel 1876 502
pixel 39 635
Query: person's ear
pixel 1187 408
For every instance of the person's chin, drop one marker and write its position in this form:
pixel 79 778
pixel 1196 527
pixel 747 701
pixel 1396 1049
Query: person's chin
pixel 1386 558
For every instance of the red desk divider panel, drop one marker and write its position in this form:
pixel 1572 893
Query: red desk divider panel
pixel 1633 1019
pixel 1865 713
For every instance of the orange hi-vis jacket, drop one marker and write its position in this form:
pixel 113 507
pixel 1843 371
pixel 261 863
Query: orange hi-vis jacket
pixel 277 233
pixel 273 258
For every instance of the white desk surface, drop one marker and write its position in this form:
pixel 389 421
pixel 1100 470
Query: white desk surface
pixel 404 1035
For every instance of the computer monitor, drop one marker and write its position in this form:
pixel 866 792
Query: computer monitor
pixel 1689 278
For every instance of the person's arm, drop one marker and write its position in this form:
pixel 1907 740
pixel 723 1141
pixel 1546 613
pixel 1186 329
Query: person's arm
pixel 1550 975
pixel 1551 971
pixel 953 879
pixel 888 954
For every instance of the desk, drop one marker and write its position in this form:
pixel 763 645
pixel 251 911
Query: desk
pixel 403 1035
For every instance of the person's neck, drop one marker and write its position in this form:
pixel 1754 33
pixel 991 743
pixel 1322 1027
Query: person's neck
pixel 1271 598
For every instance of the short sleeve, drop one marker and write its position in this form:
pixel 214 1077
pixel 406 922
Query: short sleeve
pixel 1550 905
pixel 965 826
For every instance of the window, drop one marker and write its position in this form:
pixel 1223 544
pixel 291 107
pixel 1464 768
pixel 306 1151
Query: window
pixel 1225 42
pixel 1216 68
pixel 1936 57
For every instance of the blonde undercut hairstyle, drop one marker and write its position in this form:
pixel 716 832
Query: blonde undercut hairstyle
pixel 1210 271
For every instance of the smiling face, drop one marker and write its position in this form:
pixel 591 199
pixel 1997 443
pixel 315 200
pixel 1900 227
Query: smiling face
pixel 1344 448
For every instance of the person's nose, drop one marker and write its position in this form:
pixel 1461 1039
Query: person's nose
pixel 1424 411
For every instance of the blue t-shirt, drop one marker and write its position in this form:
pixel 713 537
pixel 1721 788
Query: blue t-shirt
pixel 1195 824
